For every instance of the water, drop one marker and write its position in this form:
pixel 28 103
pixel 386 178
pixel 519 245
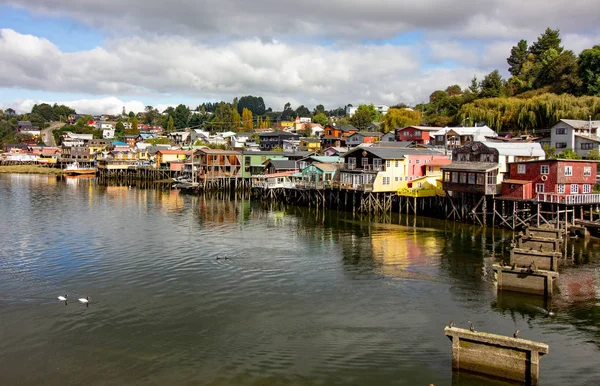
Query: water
pixel 304 297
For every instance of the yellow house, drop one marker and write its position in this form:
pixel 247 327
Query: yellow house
pixel 165 157
pixel 310 144
pixel 286 124
pixel 98 145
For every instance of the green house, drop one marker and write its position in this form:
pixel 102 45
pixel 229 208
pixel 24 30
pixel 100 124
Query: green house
pixel 253 162
pixel 317 174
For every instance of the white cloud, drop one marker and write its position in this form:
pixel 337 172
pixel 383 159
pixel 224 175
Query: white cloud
pixel 109 105
pixel 168 66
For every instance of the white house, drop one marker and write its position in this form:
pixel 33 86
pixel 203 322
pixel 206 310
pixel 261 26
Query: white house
pixel 453 137
pixel 108 133
pixel 382 109
pixel 579 135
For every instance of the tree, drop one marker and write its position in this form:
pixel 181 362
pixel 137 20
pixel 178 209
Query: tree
pixel 550 39
pixel 131 114
pixel 593 154
pixel 568 154
pixel 255 104
pixel 319 109
pixel 10 112
pixel 453 90
pixel 491 85
pixel 119 129
pixel 307 130
pixel 287 112
pixel 181 116
pixel 400 118
pixel 151 115
pixel 474 86
pixel 589 70
pixel 247 119
pixel 223 118
pixel 364 116
pixel 550 151
pixel 170 124
pixel 134 125
pixel 320 118
pixel 237 120
pixel 517 58
pixel 303 111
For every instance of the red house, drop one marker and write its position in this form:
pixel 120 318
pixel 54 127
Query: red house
pixel 551 180
pixel 418 134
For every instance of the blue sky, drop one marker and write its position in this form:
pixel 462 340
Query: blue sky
pixel 102 54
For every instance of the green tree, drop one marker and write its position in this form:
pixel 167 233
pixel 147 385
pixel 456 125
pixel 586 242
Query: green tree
pixel 550 39
pixel 589 70
pixel 364 116
pixel 593 154
pixel 474 86
pixel 181 116
pixel 223 118
pixel 550 151
pixel 151 115
pixel 134 125
pixel 491 85
pixel 517 58
pixel 568 154
pixel 400 118
pixel 255 104
pixel 119 129
pixel 319 109
pixel 170 125
pixel 453 90
pixel 320 118
pixel 303 111
pixel 237 119
pixel 131 114
pixel 307 130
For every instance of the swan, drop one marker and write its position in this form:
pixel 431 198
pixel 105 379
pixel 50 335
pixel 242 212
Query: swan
pixel 85 300
pixel 63 298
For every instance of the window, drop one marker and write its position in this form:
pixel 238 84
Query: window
pixel 417 132
pixel 568 170
pixel 486 157
pixel 480 179
pixel 561 145
pixel 409 161
pixel 388 164
pixel 561 189
pixel 430 169
pixel 418 161
pixel 561 131
pixel 406 133
pixel 464 157
pixel 377 163
pixel 587 188
pixel 455 177
pixel 386 180
pixel 587 170
pixel 574 189
pixel 472 177
pixel 521 168
pixel 545 169
pixel 419 185
pixel 539 188
pixel 463 178
pixel 396 179
pixel 365 162
pixel 351 162
pixel 396 163
pixel 587 146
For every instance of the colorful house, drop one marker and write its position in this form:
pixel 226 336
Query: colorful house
pixel 316 175
pixel 363 137
pixel 417 134
pixel 552 180
pixel 455 137
pixel 211 163
pixel 336 135
pixel 253 162
pixel 310 144
pixel 163 158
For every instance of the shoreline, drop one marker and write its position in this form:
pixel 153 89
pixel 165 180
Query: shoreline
pixel 30 169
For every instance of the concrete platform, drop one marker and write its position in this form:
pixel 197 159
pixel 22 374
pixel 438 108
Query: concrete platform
pixel 546 233
pixel 539 282
pixel 543 260
pixel 496 355
pixel 540 244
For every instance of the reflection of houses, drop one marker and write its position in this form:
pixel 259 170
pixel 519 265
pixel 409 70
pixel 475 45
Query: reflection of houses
pixel 581 136
pixel 417 134
pixel 552 180
pixel 218 163
pixel 454 137
pixel 362 137
pixel 478 167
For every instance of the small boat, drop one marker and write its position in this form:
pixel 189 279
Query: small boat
pixel 76 169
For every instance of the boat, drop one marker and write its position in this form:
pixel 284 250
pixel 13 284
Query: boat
pixel 76 169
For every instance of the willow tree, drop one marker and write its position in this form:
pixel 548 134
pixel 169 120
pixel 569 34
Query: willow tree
pixel 401 118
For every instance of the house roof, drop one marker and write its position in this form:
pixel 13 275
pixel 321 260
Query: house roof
pixel 324 159
pixel 368 134
pixel 580 124
pixel 439 162
pixel 531 149
pixel 279 174
pixel 218 151
pixel 589 137
pixel 339 149
pixel 422 128
pixel 310 140
pixel 346 128
pixel 472 166
pixel 180 152
pixel 393 152
pixel 280 164
pixel 278 133
pixel 326 167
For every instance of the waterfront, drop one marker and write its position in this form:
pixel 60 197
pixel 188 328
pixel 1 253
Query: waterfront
pixel 304 297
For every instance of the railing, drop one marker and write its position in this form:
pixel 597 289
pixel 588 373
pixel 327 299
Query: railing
pixel 569 199
pixel 363 168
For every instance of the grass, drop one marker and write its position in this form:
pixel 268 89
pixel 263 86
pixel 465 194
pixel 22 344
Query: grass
pixel 30 169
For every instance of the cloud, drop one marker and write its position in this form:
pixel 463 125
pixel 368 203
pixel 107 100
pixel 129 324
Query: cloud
pixel 333 19
pixel 165 67
pixel 109 105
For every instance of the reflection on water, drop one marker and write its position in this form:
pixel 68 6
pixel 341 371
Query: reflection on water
pixel 304 296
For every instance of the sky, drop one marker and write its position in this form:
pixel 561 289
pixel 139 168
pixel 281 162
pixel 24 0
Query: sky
pixel 100 55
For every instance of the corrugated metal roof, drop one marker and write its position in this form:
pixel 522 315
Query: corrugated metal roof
pixel 580 124
pixel 471 166
pixel 525 149
pixel 282 163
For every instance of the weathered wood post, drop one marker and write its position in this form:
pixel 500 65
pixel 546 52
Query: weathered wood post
pixel 496 355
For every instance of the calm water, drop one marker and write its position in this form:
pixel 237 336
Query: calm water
pixel 303 297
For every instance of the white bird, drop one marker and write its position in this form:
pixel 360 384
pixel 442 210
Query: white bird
pixel 63 298
pixel 85 300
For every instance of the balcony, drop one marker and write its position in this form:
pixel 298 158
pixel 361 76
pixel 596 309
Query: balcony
pixel 569 199
pixel 364 168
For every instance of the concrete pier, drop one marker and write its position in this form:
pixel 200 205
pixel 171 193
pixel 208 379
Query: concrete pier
pixel 543 260
pixel 540 244
pixel 539 282
pixel 546 233
pixel 496 355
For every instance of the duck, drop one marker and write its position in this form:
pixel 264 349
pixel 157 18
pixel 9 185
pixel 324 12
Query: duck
pixel 85 300
pixel 471 328
pixel 63 298
pixel 516 334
